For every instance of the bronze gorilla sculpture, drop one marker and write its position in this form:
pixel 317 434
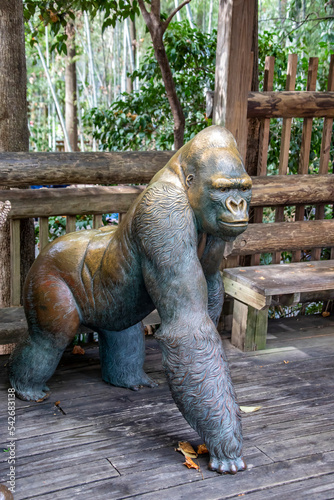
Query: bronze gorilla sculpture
pixel 166 255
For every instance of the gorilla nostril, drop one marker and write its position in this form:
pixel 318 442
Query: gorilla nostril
pixel 235 206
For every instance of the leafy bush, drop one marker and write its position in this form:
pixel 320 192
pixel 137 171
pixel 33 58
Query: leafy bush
pixel 143 120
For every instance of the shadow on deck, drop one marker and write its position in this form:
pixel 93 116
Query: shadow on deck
pixel 105 442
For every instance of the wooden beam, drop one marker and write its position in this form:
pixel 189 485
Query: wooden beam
pixel 71 201
pixel 279 236
pixel 294 104
pixel 267 191
pixel 234 68
pixel 25 169
pixel 276 190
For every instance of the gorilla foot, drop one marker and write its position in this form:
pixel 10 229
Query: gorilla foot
pixel 33 394
pixel 134 382
pixel 227 465
pixel 144 381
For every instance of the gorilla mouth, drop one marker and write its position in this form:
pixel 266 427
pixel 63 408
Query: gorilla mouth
pixel 240 223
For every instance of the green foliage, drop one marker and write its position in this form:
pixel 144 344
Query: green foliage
pixel 143 119
pixel 57 13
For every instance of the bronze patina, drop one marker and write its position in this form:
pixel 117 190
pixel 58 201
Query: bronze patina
pixel 165 254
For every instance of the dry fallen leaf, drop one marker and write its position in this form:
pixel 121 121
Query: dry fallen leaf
pixel 325 314
pixel 202 449
pixel 57 403
pixel 249 409
pixel 186 449
pixel 78 350
pixel 285 362
pixel 190 464
pixel 262 278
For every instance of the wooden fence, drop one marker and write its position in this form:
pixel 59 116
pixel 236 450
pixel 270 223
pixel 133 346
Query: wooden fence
pixel 24 169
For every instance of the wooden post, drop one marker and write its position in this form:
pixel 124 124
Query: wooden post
pixel 249 327
pixel 233 68
pixel 234 64
pixel 285 140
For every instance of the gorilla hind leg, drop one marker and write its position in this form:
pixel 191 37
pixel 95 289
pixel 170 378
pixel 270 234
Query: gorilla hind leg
pixel 122 356
pixel 53 321
pixel 32 363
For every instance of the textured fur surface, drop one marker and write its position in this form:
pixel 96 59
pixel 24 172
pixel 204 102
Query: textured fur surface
pixel 165 254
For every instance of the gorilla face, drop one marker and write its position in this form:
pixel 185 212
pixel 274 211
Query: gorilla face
pixel 220 193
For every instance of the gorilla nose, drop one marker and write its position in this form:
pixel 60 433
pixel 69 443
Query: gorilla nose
pixel 238 207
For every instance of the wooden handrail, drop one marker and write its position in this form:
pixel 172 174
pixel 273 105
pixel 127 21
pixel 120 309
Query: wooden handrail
pixel 290 104
pixel 267 191
pixel 24 169
pixel 279 236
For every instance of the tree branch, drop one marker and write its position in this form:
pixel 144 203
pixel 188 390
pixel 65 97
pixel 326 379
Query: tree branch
pixel 146 14
pixel 170 17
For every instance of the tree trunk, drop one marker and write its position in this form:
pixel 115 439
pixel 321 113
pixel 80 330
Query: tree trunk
pixel 157 27
pixel 14 134
pixel 71 90
pixel 179 120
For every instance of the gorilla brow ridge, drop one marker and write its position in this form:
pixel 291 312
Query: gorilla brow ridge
pixel 165 223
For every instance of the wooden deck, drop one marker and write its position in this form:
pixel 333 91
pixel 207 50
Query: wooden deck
pixel 103 442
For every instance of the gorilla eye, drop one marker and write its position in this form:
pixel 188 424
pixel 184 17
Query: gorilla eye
pixel 223 189
pixel 244 188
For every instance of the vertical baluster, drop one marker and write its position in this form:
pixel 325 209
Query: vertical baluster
pixel 304 158
pixel 70 223
pixel 285 140
pixel 15 262
pixel 43 232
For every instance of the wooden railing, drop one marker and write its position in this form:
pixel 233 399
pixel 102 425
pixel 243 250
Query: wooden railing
pixel 98 200
pixel 25 169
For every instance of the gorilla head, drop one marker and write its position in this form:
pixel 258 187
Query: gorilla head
pixel 218 187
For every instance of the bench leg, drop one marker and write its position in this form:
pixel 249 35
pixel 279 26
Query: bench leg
pixel 249 327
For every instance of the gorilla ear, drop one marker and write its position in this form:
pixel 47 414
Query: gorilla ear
pixel 189 180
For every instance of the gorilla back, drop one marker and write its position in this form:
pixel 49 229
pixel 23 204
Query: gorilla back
pixel 165 254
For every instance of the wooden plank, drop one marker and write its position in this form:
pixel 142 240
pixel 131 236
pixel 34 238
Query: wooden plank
pixel 304 157
pixel 234 64
pixel 285 278
pixel 97 221
pixel 15 263
pixel 79 475
pixel 290 104
pixel 43 232
pixel 285 141
pixel 275 190
pixel 177 483
pixel 284 236
pixel 22 169
pixel 267 191
pixel 72 201
pixel 268 85
pixel 244 292
pixel 324 152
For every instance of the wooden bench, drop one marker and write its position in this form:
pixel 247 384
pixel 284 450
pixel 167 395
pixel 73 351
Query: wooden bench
pixel 254 289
